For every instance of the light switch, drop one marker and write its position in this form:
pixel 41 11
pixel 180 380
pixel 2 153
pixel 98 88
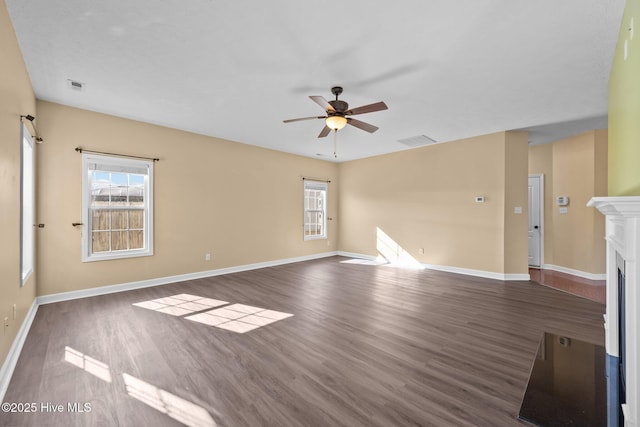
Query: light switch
pixel 517 210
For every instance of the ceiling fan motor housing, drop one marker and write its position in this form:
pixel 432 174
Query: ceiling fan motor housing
pixel 339 106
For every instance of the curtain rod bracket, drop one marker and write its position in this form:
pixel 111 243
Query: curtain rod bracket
pixel 30 118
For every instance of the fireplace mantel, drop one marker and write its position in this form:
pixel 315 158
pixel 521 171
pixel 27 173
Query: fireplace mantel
pixel 622 206
pixel 623 242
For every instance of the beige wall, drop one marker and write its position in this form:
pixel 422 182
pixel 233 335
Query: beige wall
pixel 16 98
pixel 239 202
pixel 424 199
pixel 516 195
pixel 574 167
pixel 243 203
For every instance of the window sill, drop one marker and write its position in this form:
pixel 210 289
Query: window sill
pixel 116 255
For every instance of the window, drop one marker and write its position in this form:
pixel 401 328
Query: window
pixel 117 207
pixel 27 207
pixel 315 210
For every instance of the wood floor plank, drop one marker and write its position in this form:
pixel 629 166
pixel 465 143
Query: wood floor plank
pixel 366 346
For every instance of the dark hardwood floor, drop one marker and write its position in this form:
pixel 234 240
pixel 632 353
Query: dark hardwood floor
pixel 595 290
pixel 366 346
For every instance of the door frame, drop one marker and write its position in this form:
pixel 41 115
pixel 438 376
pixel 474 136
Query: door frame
pixel 541 204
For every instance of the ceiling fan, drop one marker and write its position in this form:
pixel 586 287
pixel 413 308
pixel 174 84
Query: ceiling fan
pixel 338 112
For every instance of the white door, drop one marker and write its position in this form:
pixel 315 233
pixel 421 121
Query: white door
pixel 535 220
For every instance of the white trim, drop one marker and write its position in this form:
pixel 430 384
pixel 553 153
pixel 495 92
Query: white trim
pixel 324 187
pixel 479 273
pixel 449 269
pixel 542 226
pixel 14 352
pixel 16 348
pixel 103 290
pixel 357 255
pixel 573 272
pixel 541 202
pixel 623 238
pixel 27 231
pixel 89 161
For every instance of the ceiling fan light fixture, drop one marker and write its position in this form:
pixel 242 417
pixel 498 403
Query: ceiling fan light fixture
pixel 336 122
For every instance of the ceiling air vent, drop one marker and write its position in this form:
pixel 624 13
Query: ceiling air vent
pixel 417 141
pixel 75 85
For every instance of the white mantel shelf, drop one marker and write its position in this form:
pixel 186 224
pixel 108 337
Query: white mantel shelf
pixel 617 206
pixel 623 241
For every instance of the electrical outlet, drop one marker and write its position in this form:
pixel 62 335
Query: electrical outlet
pixel 207 256
pixel 14 311
pixel 421 251
pixel 6 324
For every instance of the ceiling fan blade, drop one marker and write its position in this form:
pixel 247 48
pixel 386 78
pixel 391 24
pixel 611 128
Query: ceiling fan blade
pixel 362 125
pixel 303 118
pixel 377 106
pixel 324 132
pixel 322 102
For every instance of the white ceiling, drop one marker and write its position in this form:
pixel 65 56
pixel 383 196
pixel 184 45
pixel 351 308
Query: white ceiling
pixel 447 69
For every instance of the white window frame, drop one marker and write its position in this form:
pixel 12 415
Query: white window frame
pixel 27 206
pixel 317 186
pixel 116 164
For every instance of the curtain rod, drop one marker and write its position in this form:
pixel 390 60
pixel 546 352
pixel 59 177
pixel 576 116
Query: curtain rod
pixel 306 178
pixel 82 150
pixel 30 118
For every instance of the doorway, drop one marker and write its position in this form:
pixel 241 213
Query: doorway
pixel 536 220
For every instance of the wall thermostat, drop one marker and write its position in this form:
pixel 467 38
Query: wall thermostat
pixel 562 200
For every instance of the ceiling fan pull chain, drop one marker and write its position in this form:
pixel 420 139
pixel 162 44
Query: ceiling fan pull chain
pixel 335 143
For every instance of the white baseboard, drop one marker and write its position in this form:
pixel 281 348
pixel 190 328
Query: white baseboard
pixel 479 273
pixel 16 348
pixel 583 274
pixel 449 269
pixel 14 352
pixel 103 290
pixel 357 256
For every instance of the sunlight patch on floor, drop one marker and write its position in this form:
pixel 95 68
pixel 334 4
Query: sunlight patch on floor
pixel 238 318
pixel 88 364
pixel 181 410
pixel 181 304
